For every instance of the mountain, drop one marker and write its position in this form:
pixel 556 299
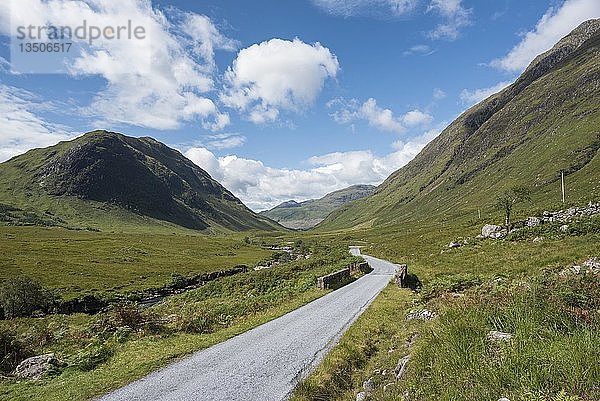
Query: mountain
pixel 307 214
pixel 546 122
pixel 109 180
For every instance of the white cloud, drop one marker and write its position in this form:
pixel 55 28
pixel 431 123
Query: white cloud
pixel 225 141
pixel 277 75
pixel 379 8
pixel 348 111
pixel 21 126
pixel 438 94
pixel 424 50
pixel 474 96
pixel 554 25
pixel 262 187
pixel 416 117
pixel 455 15
pixel 159 82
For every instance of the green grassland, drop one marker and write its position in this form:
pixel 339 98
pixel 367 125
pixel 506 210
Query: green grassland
pixel 510 285
pixel 108 350
pixel 85 262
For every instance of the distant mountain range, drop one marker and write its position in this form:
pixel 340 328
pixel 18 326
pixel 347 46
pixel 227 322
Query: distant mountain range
pixel 307 214
pixel 546 122
pixel 108 180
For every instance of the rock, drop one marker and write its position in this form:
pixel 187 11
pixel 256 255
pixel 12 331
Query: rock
pixel 538 239
pixel 401 367
pixel 423 314
pixel 532 222
pixel 454 245
pixel 369 385
pixel 387 386
pixel 498 336
pixel 493 231
pixel 457 295
pixel 592 264
pixel 564 228
pixel 36 367
pixel 503 399
pixel 362 396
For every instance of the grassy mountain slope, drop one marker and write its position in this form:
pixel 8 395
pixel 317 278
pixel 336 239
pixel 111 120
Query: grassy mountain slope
pixel 545 122
pixel 307 214
pixel 108 180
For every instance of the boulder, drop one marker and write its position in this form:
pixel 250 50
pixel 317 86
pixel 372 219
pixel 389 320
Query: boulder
pixel 423 314
pixel 362 396
pixel 503 399
pixel 498 336
pixel 532 222
pixel 454 245
pixel 564 228
pixel 36 367
pixel 369 385
pixel 592 264
pixel 401 367
pixel 492 231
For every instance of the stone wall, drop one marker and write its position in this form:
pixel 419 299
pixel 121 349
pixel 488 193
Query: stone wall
pixel 334 280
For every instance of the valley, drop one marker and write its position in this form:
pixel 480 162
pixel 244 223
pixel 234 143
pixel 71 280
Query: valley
pixel 496 219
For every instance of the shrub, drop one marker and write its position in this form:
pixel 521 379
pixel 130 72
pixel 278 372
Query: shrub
pixel 21 296
pixel 199 323
pixel 94 354
pixel 12 351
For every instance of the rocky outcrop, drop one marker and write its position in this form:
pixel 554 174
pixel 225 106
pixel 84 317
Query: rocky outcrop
pixel 36 367
pixel 564 216
pixel 401 367
pixel 493 231
pixel 423 314
pixel 498 337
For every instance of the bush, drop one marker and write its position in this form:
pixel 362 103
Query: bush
pixel 12 351
pixel 94 354
pixel 126 316
pixel 199 323
pixel 21 296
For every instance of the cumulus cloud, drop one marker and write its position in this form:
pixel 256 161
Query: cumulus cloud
pixel 379 8
pixel 277 75
pixel 554 25
pixel 471 97
pixel 21 126
pixel 455 17
pixel 348 111
pixel 159 82
pixel 262 187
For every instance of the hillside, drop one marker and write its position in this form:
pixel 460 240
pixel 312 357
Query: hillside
pixel 106 180
pixel 307 214
pixel 545 122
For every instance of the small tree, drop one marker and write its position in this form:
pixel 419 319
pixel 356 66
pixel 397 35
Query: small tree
pixel 21 296
pixel 509 198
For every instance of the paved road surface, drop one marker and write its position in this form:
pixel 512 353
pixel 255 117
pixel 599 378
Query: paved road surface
pixel 263 364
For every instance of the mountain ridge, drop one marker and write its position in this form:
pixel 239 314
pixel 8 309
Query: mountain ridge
pixel 138 175
pixel 305 215
pixel 549 112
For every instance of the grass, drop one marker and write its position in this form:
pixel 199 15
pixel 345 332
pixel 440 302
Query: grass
pixel 510 285
pixel 106 351
pixel 83 262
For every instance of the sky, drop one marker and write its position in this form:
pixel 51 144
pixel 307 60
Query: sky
pixel 277 100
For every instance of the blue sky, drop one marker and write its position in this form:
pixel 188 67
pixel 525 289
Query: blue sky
pixel 277 99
